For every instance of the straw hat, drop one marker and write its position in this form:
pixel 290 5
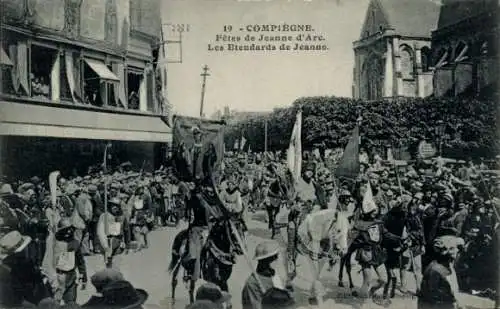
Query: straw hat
pixel 13 242
pixel 265 250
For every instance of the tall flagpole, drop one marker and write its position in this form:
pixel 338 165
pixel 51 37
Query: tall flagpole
pixel 265 135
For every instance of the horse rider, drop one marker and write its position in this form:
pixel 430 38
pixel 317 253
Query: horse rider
pixel 231 198
pixel 198 206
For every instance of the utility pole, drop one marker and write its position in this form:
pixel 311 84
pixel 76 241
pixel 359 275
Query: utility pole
pixel 204 75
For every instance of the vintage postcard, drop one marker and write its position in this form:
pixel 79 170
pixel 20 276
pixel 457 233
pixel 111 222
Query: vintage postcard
pixel 249 154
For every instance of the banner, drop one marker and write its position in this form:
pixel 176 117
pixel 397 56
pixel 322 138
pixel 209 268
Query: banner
pixel 368 204
pixel 294 154
pixel 197 155
pixel 348 166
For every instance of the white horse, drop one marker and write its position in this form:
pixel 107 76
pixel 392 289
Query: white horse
pixel 322 234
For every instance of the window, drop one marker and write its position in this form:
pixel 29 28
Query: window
pixel 7 67
pixel 407 65
pixel 45 73
pixel 134 80
pixel 98 79
pixel 425 59
pixel 443 58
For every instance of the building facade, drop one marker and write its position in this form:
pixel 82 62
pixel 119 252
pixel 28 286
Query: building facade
pixel 77 75
pixel 465 48
pixel 392 56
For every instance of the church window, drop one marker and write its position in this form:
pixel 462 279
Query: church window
pixel 425 59
pixel 407 63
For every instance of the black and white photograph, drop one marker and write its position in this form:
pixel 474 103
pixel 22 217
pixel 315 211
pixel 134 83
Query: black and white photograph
pixel 249 154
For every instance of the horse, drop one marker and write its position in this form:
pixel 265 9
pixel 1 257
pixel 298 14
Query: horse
pixel 320 234
pixel 217 257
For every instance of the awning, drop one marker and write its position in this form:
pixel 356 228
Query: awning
pixel 44 121
pixel 102 70
pixel 4 59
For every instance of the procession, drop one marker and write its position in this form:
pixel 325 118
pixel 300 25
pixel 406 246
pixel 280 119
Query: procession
pixel 350 162
pixel 420 221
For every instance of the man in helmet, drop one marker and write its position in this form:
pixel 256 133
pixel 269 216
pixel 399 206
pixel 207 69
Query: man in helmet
pixel 111 230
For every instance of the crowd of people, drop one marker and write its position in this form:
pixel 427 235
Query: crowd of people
pixel 421 210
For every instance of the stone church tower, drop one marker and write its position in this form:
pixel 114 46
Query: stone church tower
pixel 392 56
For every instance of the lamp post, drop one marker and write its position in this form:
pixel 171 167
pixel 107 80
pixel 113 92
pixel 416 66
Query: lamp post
pixel 440 130
pixel 105 168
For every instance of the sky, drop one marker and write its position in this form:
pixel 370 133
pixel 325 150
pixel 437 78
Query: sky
pixel 259 81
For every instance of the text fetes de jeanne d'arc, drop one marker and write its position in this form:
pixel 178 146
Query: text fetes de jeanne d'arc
pixel 282 37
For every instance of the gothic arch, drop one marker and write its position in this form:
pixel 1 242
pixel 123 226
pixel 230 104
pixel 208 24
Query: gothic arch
pixel 372 77
pixel 407 57
pixel 425 58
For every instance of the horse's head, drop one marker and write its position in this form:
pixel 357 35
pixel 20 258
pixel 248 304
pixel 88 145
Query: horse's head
pixel 341 231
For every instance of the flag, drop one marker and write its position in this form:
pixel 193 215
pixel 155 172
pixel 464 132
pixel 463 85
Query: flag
pixel 294 154
pixel 192 161
pixel 243 142
pixel 390 157
pixel 161 79
pixel 348 166
pixel 53 187
pixel 368 201
pixel 236 145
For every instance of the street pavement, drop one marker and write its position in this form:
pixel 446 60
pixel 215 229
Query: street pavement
pixel 147 270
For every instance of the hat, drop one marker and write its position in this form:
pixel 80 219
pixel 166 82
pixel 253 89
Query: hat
pixel 25 187
pixel 78 179
pixel 13 242
pixel 444 244
pixel 384 186
pixel 87 177
pixel 419 195
pixel 102 278
pixel 212 292
pixel 115 201
pixel 35 179
pixel 195 130
pixel 64 223
pixel 266 249
pixel 6 189
pixel 126 164
pixel 71 189
pixel 122 294
pixel 92 188
pixel 345 193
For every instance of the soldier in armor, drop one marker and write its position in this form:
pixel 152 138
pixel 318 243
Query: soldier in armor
pixel 68 257
pixel 113 240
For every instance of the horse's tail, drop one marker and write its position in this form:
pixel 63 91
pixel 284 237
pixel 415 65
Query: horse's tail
pixel 176 248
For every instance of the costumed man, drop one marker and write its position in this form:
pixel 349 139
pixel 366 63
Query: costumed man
pixel 412 257
pixel 111 231
pixel 258 178
pixel 231 198
pixel 141 218
pixel 157 193
pixel 395 224
pixel 200 159
pixel 274 196
pixel 68 257
pixel 368 233
pixel 306 187
pixel 97 210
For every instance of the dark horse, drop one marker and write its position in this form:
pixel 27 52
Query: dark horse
pixel 217 257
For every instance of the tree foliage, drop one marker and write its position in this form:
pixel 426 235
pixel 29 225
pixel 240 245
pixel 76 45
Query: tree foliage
pixel 470 125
